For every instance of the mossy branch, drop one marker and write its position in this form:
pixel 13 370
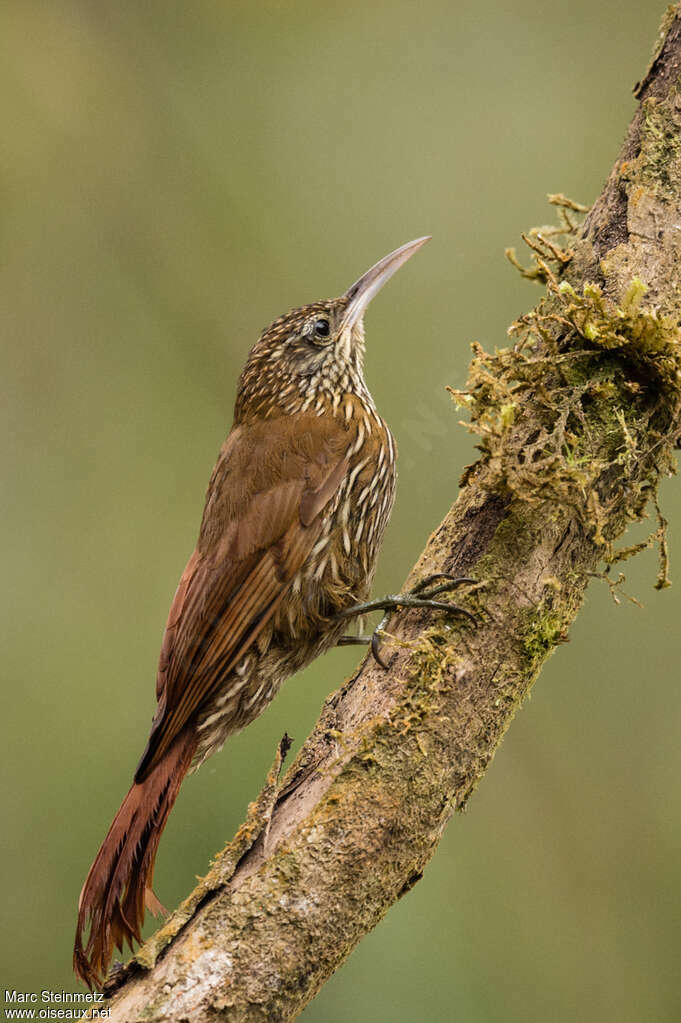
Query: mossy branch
pixel 578 418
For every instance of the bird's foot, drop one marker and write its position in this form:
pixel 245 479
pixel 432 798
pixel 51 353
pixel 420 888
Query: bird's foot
pixel 422 595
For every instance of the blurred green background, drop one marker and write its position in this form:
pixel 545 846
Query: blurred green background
pixel 174 176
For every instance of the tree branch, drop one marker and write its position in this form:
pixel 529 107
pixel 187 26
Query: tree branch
pixel 578 421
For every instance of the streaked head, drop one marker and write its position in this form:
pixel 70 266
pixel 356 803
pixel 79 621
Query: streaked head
pixel 317 350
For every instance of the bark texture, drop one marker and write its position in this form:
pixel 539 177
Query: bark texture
pixel 578 420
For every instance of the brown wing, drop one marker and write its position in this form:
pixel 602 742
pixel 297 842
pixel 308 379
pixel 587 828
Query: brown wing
pixel 261 520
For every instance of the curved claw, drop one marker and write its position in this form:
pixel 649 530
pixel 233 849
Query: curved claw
pixel 376 649
pixel 392 602
pixel 454 580
pixel 435 605
pixel 459 610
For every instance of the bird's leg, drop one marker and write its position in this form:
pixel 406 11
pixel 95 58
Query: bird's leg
pixel 421 595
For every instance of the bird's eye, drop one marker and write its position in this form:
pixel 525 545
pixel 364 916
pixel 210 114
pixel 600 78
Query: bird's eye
pixel 322 329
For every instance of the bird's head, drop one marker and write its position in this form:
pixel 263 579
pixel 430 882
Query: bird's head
pixel 306 358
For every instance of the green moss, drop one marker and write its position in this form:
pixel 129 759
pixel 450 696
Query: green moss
pixel 661 147
pixel 599 379
pixel 551 246
pixel 545 630
pixel 642 335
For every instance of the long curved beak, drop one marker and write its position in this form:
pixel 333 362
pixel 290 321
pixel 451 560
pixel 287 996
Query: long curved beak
pixel 370 283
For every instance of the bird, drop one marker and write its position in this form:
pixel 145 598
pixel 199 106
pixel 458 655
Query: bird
pixel 294 516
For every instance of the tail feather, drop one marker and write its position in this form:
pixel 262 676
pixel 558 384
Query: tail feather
pixel 119 882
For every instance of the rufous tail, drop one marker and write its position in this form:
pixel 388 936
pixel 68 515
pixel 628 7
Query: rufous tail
pixel 119 883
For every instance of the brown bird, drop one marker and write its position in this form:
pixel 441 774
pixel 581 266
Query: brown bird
pixel 294 516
